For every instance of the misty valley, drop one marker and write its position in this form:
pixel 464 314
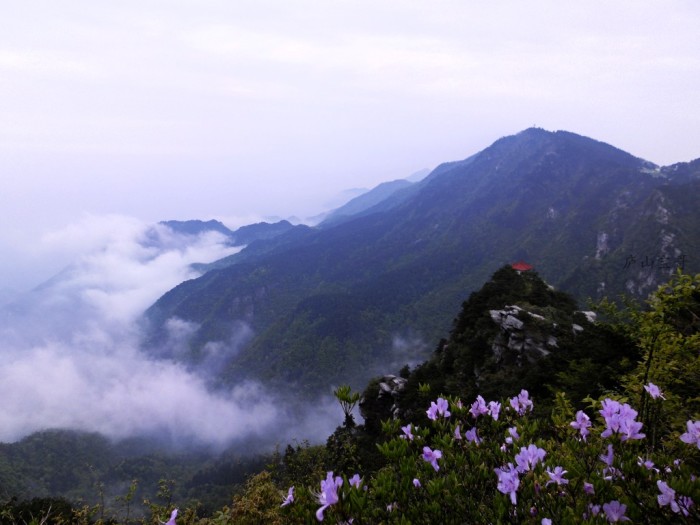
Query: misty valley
pixel 509 338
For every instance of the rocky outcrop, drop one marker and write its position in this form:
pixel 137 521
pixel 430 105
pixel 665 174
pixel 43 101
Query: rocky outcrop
pixel 389 387
pixel 523 335
pixel 526 336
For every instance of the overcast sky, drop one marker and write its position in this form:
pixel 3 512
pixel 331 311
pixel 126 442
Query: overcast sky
pixel 244 109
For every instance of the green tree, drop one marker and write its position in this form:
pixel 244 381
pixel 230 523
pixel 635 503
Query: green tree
pixel 259 503
pixel 667 333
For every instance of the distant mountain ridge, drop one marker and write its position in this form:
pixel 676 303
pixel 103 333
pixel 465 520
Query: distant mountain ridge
pixel 240 237
pixel 196 227
pixel 339 302
pixel 365 202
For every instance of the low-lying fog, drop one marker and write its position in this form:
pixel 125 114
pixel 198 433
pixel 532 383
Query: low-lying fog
pixel 70 349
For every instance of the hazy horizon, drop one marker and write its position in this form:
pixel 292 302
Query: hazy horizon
pixel 244 110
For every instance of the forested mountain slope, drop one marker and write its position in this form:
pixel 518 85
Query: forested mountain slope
pixel 375 292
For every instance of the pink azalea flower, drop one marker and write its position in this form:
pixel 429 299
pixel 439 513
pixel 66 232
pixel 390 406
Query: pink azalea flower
pixel 582 424
pixel 685 502
pixel 595 509
pixel 610 407
pixel 443 407
pixel 290 497
pixel 654 391
pixel 494 409
pixel 513 431
pixel 609 472
pixel 478 407
pixel 608 458
pixel 329 493
pixel 692 437
pixel 646 463
pixel 620 418
pixel 407 432
pixel 438 409
pixel 529 457
pixel 355 481
pixel 472 436
pixel 508 481
pixel 667 496
pixel 173 515
pixel 432 456
pixel 432 411
pixel 521 403
pixel 557 476
pixel 615 511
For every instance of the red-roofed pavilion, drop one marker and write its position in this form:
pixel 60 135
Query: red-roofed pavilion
pixel 521 266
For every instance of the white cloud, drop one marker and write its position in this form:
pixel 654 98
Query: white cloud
pixel 71 353
pixel 124 265
pixel 121 393
pixel 44 63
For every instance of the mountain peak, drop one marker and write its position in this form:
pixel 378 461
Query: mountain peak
pixel 587 215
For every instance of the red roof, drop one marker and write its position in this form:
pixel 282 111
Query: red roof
pixel 521 266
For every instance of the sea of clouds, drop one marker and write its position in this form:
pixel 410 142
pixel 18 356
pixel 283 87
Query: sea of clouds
pixel 71 352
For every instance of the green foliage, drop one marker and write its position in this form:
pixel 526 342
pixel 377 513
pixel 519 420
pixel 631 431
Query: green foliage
pixel 259 503
pixel 334 296
pixel 37 511
pixel 348 400
pixel 464 489
pixel 581 362
pixel 668 334
pixel 300 464
pixel 128 498
pixel 611 359
pixel 111 480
